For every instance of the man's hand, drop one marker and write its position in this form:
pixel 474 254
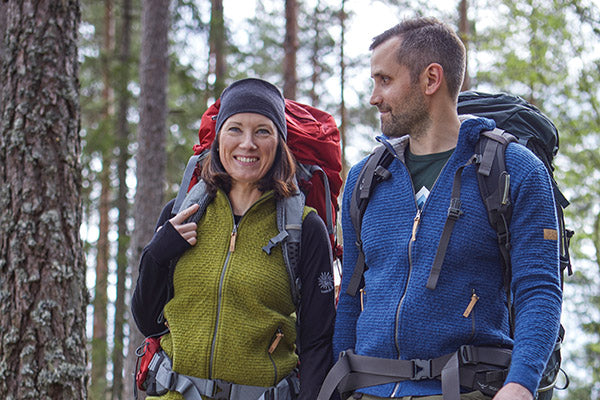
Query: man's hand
pixel 513 391
pixel 187 231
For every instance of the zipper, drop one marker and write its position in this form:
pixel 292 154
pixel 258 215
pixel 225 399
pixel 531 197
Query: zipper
pixel 362 299
pixel 415 227
pixel 416 222
pixel 220 298
pixel 274 343
pixel 230 250
pixel 233 239
pixel 472 303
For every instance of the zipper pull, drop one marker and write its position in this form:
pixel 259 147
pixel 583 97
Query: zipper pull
pixel 232 240
pixel 362 303
pixel 278 337
pixel 416 225
pixel 474 299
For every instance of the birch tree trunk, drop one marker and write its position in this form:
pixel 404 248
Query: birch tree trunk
pixel 42 270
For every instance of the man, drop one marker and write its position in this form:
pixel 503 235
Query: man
pixel 417 68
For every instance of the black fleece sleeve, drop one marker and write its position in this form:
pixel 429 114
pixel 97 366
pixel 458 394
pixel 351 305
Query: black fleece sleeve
pixel 317 307
pixel 152 287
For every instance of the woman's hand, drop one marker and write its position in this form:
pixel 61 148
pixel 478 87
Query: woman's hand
pixel 187 231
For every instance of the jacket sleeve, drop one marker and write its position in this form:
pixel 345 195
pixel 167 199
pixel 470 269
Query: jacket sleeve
pixel 317 307
pixel 535 281
pixel 152 288
pixel 348 308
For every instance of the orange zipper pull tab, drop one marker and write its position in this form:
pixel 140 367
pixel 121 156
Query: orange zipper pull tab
pixel 474 299
pixel 362 303
pixel 416 225
pixel 232 240
pixel 278 337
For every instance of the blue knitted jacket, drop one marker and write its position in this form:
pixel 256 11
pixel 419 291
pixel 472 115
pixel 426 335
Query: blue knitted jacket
pixel 403 319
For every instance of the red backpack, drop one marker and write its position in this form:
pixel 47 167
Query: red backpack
pixel 313 138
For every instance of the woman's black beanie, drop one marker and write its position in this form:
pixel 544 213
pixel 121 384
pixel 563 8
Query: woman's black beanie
pixel 253 95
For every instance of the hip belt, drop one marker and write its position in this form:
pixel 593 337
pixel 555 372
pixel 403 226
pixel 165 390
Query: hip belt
pixel 477 368
pixel 163 379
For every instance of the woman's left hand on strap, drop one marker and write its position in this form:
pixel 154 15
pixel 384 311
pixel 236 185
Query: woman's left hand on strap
pixel 186 230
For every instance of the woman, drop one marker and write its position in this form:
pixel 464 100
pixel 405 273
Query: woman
pixel 231 319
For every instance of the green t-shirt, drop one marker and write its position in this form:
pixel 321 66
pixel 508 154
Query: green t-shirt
pixel 424 170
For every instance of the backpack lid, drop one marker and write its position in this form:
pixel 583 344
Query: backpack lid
pixel 516 116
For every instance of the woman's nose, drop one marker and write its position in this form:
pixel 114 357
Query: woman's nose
pixel 248 140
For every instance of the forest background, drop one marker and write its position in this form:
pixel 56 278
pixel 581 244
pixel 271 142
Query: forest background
pixel 136 77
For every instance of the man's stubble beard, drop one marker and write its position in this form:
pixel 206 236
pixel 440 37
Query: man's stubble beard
pixel 413 121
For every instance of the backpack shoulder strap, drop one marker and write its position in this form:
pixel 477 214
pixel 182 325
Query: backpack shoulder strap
pixel 373 171
pixel 494 185
pixel 186 179
pixel 197 195
pixel 289 224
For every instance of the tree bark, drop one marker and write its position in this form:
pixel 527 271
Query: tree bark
pixel 464 32
pixel 151 156
pixel 42 287
pixel 290 47
pixel 122 203
pixel 2 31
pixel 217 65
pixel 99 336
pixel 314 59
pixel 343 111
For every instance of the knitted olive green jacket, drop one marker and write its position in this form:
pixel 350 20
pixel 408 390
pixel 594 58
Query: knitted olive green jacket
pixel 231 300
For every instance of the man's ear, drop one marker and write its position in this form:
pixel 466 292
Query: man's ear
pixel 433 77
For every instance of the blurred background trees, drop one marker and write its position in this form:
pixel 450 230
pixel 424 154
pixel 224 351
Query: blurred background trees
pixel 149 69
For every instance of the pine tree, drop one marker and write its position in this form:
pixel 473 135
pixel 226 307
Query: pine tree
pixel 42 285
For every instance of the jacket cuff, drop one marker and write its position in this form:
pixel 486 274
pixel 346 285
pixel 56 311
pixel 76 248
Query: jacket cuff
pixel 167 244
pixel 524 376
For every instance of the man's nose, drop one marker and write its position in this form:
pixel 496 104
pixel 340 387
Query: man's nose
pixel 375 97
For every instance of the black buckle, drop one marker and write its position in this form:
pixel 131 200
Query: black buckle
pixel 381 174
pixel 222 390
pixel 454 211
pixel 421 369
pixel 467 355
pixel 270 394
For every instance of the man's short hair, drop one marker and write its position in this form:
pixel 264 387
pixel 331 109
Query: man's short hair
pixel 426 41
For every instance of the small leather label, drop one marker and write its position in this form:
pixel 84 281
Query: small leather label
pixel 550 234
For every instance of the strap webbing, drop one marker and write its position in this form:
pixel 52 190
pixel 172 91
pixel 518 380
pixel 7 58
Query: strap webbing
pixel 186 179
pixel 456 369
pixel 454 212
pixel 193 388
pixel 373 172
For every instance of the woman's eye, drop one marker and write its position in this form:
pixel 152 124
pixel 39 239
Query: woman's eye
pixel 263 132
pixel 234 129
